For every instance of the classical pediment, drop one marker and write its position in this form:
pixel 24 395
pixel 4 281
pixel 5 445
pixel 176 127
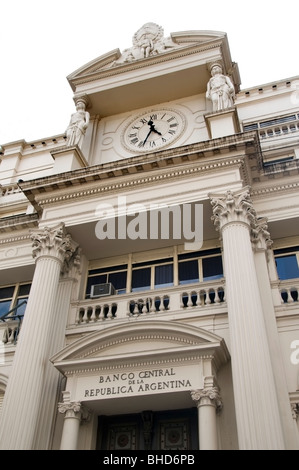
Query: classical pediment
pixel 148 43
pixel 140 341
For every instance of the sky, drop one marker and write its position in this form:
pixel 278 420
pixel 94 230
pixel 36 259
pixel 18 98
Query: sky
pixel 44 41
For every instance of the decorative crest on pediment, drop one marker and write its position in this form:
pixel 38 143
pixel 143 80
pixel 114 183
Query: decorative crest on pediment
pixel 148 41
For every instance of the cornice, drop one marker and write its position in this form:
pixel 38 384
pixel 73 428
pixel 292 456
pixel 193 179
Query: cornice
pixel 137 163
pixel 149 179
pixel 119 364
pixel 270 190
pixel 18 223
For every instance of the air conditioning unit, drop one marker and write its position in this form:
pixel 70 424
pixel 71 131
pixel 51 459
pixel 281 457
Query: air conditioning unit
pixel 100 290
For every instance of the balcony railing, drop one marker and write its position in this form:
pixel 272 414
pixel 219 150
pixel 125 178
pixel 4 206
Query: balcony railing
pixel 162 301
pixel 289 291
pixel 13 323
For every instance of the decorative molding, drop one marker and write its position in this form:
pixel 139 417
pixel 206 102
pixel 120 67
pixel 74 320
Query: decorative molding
pixel 135 338
pixel 266 191
pixel 150 180
pixel 19 238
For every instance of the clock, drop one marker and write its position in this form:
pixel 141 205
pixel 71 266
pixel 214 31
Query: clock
pixel 153 129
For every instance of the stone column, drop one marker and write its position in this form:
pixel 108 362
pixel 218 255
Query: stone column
pixel 262 243
pixel 257 412
pixel 72 418
pixel 47 415
pixel 52 249
pixel 208 402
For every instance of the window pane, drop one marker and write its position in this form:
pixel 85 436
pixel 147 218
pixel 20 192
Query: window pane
pixel 141 279
pixel 118 280
pixel 105 270
pixel 6 292
pixel 287 267
pixel 188 272
pixel 164 275
pixel 4 307
pixel 20 310
pixel 212 268
pixel 24 289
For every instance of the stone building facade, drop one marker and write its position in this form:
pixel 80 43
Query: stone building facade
pixel 149 270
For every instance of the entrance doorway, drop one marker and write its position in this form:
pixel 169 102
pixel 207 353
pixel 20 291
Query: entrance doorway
pixel 148 430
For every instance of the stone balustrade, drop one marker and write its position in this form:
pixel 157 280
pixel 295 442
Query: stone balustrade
pixel 180 299
pixel 289 291
pixel 175 299
pixel 279 129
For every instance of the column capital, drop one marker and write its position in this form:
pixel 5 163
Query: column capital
pixel 207 396
pixel 54 242
pixel 73 407
pixel 235 207
pixel 260 236
pixel 232 207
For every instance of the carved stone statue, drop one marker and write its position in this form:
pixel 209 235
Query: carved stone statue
pixel 220 89
pixel 78 124
pixel 147 41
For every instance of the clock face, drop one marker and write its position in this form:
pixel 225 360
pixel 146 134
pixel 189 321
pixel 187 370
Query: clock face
pixel 153 130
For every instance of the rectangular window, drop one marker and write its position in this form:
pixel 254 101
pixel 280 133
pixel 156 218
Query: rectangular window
pixel 117 275
pixel 152 274
pixel 14 296
pixel 287 263
pixel 206 265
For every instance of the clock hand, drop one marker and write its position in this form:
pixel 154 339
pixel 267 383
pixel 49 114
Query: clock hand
pixel 147 136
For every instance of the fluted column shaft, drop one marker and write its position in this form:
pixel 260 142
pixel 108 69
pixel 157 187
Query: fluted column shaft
pixel 257 411
pixel 261 263
pixel 52 375
pixel 71 425
pixel 207 401
pixel 51 248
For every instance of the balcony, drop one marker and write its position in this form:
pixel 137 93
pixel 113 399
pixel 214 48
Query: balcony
pixel 206 298
pixel 175 300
